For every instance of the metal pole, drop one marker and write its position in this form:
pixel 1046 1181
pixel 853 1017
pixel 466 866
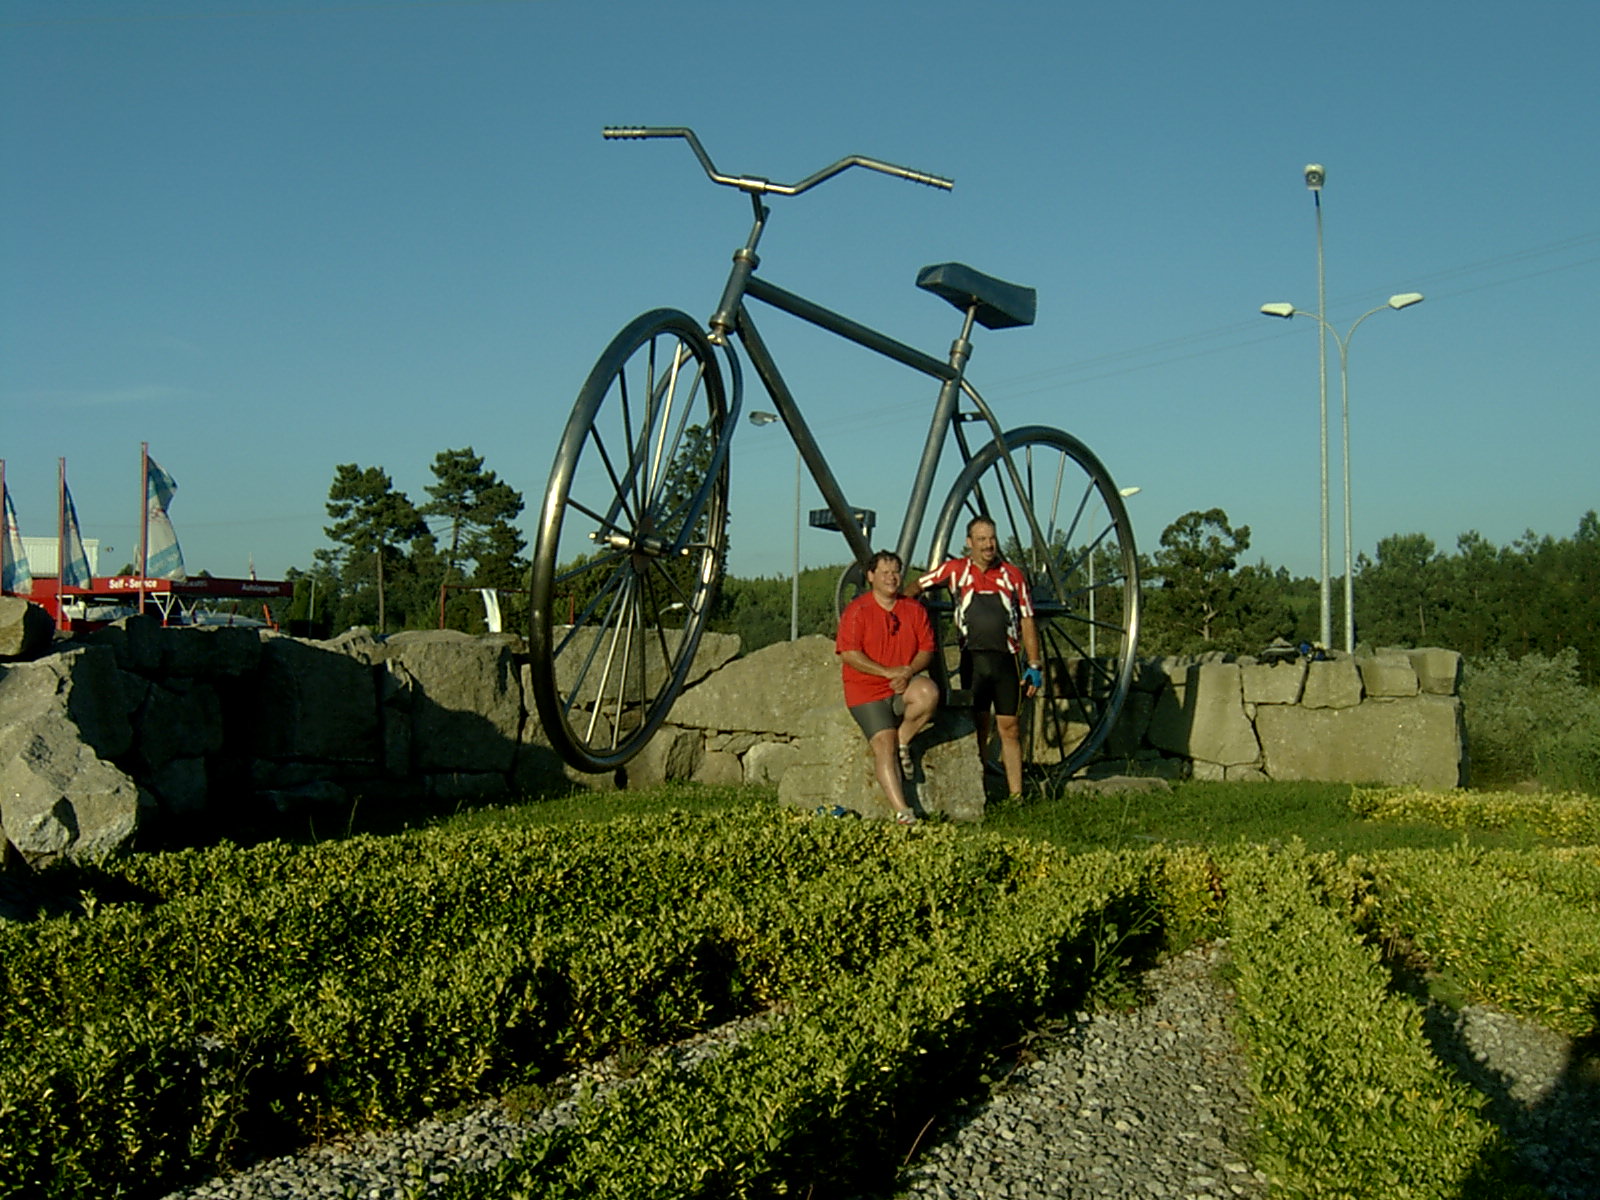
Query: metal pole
pixel 1326 594
pixel 794 579
pixel 1344 416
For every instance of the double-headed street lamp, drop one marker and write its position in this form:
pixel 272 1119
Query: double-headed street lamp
pixel 767 418
pixel 1285 310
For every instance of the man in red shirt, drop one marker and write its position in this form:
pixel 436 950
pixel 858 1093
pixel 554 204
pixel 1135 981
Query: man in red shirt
pixel 994 616
pixel 884 643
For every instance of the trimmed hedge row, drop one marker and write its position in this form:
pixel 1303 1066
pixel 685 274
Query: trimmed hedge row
pixel 1566 815
pixel 830 1096
pixel 1351 1101
pixel 1517 929
pixel 221 1004
pixel 211 1006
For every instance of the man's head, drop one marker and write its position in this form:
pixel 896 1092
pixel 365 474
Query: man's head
pixel 883 572
pixel 983 542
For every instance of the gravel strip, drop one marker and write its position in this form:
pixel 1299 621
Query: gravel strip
pixel 1546 1097
pixel 1147 1103
pixel 1152 1102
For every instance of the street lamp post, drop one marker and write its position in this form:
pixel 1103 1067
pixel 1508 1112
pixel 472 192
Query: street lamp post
pixel 1315 177
pixel 1286 310
pixel 767 418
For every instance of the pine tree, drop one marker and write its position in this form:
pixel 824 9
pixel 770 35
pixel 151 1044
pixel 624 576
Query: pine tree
pixel 372 522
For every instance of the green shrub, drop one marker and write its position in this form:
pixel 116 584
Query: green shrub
pixel 1531 718
pixel 1520 930
pixel 1565 816
pixel 1351 1101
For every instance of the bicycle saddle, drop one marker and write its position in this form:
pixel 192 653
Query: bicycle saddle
pixel 1001 305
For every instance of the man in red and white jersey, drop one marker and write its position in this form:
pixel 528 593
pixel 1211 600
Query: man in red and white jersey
pixel 994 617
pixel 885 642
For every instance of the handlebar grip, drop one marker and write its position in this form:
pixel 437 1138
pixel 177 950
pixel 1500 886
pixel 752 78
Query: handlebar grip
pixel 638 131
pixel 933 181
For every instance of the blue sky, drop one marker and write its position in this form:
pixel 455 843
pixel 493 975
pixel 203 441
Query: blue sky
pixel 271 237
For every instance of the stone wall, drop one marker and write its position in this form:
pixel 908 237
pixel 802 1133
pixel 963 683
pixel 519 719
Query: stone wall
pixel 1393 717
pixel 140 727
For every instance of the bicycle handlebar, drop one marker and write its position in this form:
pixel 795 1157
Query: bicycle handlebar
pixel 754 184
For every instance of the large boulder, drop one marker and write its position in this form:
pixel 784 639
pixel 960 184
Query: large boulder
pixel 769 691
pixel 465 700
pixel 25 628
pixel 1416 741
pixel 313 702
pixel 82 685
pixel 833 766
pixel 64 717
pixel 1201 716
pixel 58 800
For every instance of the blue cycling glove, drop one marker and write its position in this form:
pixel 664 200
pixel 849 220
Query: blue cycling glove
pixel 1033 677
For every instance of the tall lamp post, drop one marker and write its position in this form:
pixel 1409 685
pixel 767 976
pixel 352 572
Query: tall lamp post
pixel 1315 177
pixel 1285 310
pixel 767 418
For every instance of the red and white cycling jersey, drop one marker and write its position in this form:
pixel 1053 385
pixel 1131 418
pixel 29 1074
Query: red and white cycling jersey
pixel 990 604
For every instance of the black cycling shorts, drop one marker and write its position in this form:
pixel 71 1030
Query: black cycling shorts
pixel 877 715
pixel 991 676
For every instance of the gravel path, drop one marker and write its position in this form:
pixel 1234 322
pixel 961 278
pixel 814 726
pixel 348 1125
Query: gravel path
pixel 1148 1103
pixel 1152 1102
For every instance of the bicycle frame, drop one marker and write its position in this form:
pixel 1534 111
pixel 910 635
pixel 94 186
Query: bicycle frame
pixel 732 313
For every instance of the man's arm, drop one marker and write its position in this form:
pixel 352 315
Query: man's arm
pixel 898 677
pixel 921 583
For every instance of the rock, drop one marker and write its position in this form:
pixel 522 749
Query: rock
pixel 833 765
pixel 180 720
pixel 1277 683
pixel 766 762
pixel 25 629
pixel 720 769
pixel 312 701
pixel 1438 671
pixel 769 691
pixel 466 700
pixel 1388 673
pixel 1335 683
pixel 1203 717
pixel 58 799
pixel 1416 741
pixel 674 753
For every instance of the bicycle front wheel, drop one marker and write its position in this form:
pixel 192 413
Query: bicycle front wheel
pixel 629 549
pixel 1061 519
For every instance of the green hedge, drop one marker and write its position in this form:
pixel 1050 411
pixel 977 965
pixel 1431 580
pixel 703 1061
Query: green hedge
pixel 222 1004
pixel 1516 929
pixel 832 1095
pixel 1351 1101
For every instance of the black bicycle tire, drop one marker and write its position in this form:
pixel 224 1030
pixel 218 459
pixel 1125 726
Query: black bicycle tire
pixel 546 638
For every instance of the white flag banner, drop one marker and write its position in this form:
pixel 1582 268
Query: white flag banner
pixel 14 573
pixel 163 555
pixel 74 561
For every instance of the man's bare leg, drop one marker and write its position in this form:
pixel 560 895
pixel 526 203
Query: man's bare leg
pixel 1011 752
pixel 886 764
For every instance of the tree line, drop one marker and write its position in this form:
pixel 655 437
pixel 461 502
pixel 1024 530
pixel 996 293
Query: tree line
pixel 391 560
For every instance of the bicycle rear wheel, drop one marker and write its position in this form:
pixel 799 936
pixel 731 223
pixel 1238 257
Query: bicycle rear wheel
pixel 1062 520
pixel 629 549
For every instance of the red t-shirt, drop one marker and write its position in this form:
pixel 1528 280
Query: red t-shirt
pixel 889 637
